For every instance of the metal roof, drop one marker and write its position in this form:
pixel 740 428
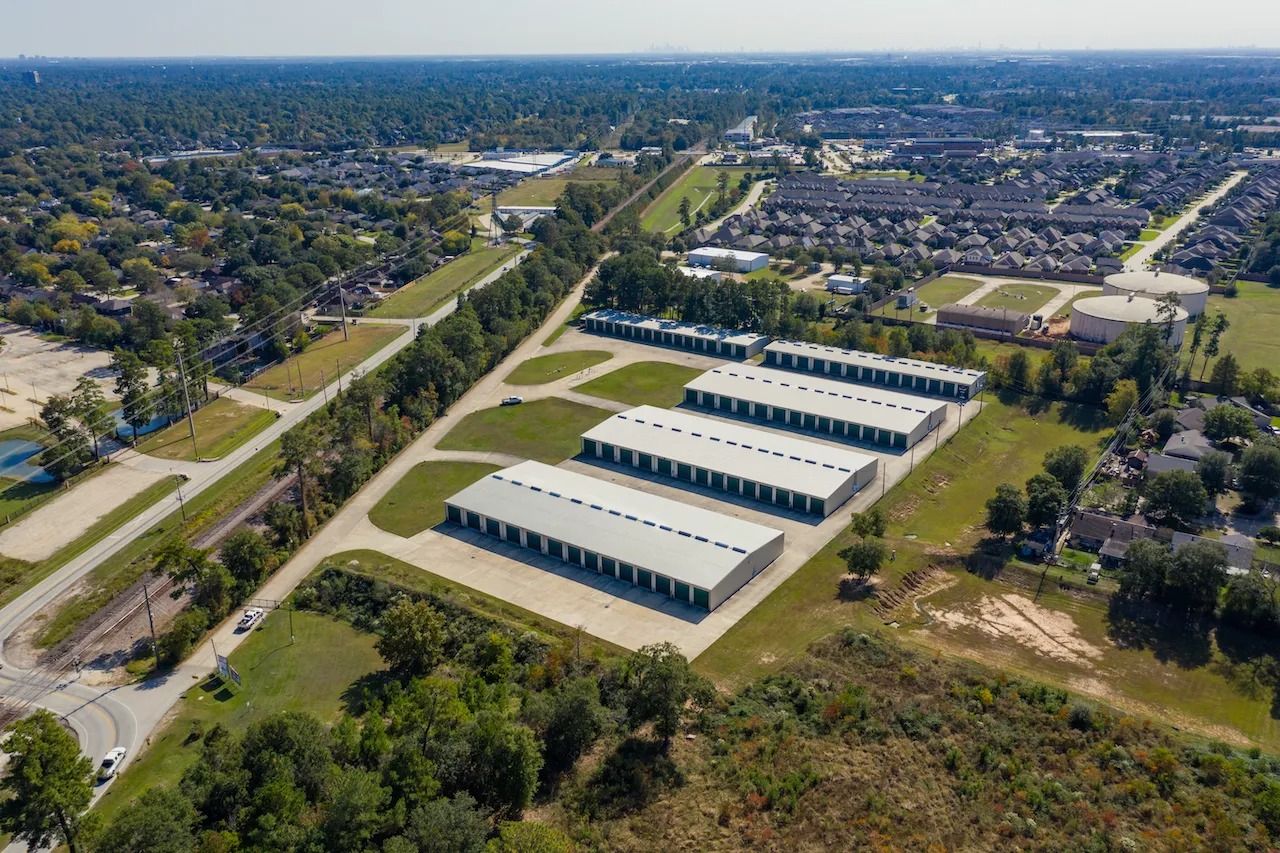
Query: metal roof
pixel 1124 308
pixel 683 542
pixel 693 330
pixel 906 366
pixel 868 405
pixel 790 463
pixel 736 254
pixel 1157 283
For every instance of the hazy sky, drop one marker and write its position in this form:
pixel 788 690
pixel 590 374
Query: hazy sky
pixel 422 27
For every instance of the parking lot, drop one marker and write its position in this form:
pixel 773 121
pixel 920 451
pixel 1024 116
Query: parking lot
pixel 34 370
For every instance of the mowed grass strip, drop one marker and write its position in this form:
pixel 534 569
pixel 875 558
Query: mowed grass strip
pixel 309 675
pixel 941 503
pixel 543 191
pixel 416 503
pixel 1255 318
pixel 645 383
pixel 944 290
pixel 319 363
pixel 221 427
pixel 547 430
pixel 699 184
pixel 549 368
pixel 1019 297
pixel 422 296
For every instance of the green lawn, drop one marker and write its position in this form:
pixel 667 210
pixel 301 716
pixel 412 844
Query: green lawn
pixel 699 184
pixel 940 505
pixel 1131 249
pixel 1147 235
pixel 547 430
pixel 549 368
pixel 1089 293
pixel 543 192
pixel 309 675
pixel 416 503
pixel 645 383
pixel 221 427
pixel 944 290
pixel 1020 297
pixel 419 298
pixel 1255 318
pixel 320 362
pixel 569 323
pixel 16 496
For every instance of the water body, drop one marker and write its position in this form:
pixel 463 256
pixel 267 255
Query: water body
pixel 14 465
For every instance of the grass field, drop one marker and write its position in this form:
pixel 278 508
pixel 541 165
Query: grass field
pixel 1147 235
pixel 941 291
pixel 549 368
pixel 309 675
pixel 1131 249
pixel 416 503
pixel 940 504
pixel 699 184
pixel 1255 318
pixel 871 175
pixel 1020 297
pixel 16 496
pixel 569 323
pixel 1088 293
pixel 321 361
pixel 547 430
pixel 221 427
pixel 539 192
pixel 419 298
pixel 645 383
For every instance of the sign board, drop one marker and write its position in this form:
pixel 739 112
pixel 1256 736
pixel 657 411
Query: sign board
pixel 223 666
pixel 235 676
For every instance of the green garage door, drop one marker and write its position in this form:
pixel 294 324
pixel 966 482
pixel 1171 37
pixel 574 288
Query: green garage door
pixel 810 422
pixel 664 467
pixel 683 471
pixel 645 461
pixel 701 599
pixel 555 549
pixel 690 396
pixel 589 446
pixel 513 534
pixel 663 585
pixel 492 527
pixel 455 514
pixel 717 480
pixel 644 579
pixel 682 591
pixel 626 456
pixel 533 542
pixel 899 440
pixel 702 476
pixel 949 389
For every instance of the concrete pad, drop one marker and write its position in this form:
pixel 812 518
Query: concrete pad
pixel 36 370
pixel 43 532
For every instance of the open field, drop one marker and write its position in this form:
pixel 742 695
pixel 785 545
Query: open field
pixel 1019 297
pixel 941 291
pixel 1255 318
pixel 645 383
pixel 419 298
pixel 221 427
pixel 940 505
pixel 319 363
pixel 549 368
pixel 547 430
pixel 1065 310
pixel 699 184
pixel 416 503
pixel 310 675
pixel 542 192
pixel 570 322
pixel 1147 235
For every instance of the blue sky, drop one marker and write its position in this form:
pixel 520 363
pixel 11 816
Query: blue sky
pixel 426 27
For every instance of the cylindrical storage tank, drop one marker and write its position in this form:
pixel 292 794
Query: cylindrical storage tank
pixel 1193 294
pixel 1102 319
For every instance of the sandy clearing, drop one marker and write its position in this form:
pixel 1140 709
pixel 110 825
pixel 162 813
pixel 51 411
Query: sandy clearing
pixel 1016 618
pixel 45 531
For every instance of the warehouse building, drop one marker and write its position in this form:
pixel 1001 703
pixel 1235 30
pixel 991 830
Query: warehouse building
pixel 684 552
pixel 1102 319
pixel 776 469
pixel 979 317
pixel 824 406
pixel 709 256
pixel 869 368
pixel 712 340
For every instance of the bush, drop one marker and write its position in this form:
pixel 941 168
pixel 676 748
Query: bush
pixel 1270 534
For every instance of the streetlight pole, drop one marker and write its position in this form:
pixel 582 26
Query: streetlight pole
pixel 186 397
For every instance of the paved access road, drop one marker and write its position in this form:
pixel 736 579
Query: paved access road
pixel 123 716
pixel 1138 260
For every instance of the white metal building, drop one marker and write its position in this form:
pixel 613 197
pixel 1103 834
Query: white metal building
pixel 909 374
pixel 1193 294
pixel 1102 319
pixel 845 285
pixel 776 469
pixel 684 552
pixel 820 405
pixel 730 343
pixel 746 261
pixel 700 272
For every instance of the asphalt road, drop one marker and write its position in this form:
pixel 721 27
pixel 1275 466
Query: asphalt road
pixel 122 716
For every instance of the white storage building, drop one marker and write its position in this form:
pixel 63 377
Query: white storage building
pixel 1193 294
pixel 776 469
pixel 819 405
pixel 909 374
pixel 845 284
pixel 730 343
pixel 1102 319
pixel 707 256
pixel 684 552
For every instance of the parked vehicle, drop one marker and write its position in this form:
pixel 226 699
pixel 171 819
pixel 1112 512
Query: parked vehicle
pixel 512 401
pixel 250 618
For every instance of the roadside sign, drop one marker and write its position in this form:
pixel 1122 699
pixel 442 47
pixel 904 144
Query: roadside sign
pixel 223 666
pixel 235 676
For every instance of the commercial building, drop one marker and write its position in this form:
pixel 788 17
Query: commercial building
pixel 1193 294
pixel 743 132
pixel 701 273
pixel 1102 319
pixel 707 256
pixel 684 552
pixel 979 317
pixel 823 406
pixel 845 285
pixel 776 469
pixel 869 368
pixel 712 340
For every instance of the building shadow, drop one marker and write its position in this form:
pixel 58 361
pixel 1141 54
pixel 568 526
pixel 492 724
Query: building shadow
pixel 603 583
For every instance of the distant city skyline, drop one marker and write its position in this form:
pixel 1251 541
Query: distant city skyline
pixel 279 28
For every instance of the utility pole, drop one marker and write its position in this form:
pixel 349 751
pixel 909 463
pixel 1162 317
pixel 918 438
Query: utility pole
pixel 186 397
pixel 342 302
pixel 291 636
pixel 302 388
pixel 181 503
pixel 324 388
pixel 155 646
pixel 338 363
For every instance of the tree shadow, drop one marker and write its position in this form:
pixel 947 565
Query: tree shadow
pixel 1083 416
pixel 630 778
pixel 1179 638
pixel 362 692
pixel 853 589
pixel 990 557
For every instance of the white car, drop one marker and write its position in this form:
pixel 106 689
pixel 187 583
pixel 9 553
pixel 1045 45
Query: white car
pixel 512 401
pixel 111 763
pixel 250 617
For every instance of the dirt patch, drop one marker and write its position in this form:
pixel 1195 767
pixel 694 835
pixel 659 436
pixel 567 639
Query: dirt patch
pixel 937 483
pixel 904 509
pixel 1013 617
